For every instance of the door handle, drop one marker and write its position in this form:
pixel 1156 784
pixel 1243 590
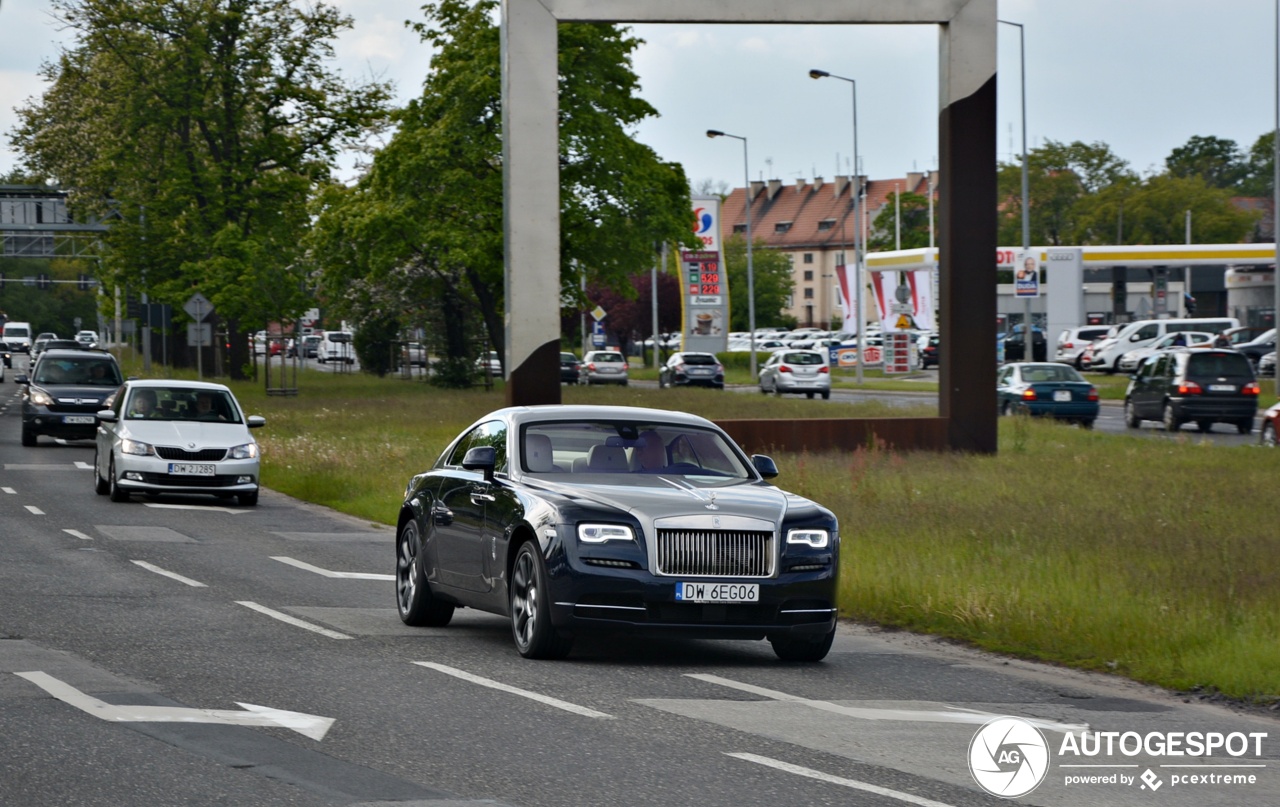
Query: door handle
pixel 478 498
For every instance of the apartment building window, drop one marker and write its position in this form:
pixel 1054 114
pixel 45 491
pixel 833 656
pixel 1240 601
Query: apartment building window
pixel 782 227
pixel 808 274
pixel 739 228
pixel 826 224
pixel 808 257
pixel 808 294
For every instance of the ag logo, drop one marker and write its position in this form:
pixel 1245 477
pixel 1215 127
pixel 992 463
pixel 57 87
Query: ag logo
pixel 1008 757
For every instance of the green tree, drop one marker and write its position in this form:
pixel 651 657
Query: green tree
pixel 429 214
pixel 1218 161
pixel 201 126
pixel 1261 176
pixel 774 284
pixel 1063 179
pixel 1154 212
pixel 912 228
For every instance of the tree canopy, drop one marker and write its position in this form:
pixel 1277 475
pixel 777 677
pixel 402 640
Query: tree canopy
pixel 425 224
pixel 200 126
pixel 774 285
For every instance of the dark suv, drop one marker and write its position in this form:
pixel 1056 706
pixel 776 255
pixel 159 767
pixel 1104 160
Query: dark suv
pixel 1203 386
pixel 63 393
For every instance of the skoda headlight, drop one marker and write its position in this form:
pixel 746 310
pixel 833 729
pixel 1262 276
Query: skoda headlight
pixel 601 533
pixel 818 539
pixel 134 447
pixel 247 451
pixel 41 398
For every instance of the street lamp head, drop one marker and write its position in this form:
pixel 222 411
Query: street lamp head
pixel 714 133
pixel 818 74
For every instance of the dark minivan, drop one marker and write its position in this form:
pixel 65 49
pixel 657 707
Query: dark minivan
pixel 1193 385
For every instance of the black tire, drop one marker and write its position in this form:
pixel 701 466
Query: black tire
pixel 1268 434
pixel 28 437
pixel 1131 418
pixel 100 485
pixel 531 626
pixel 826 395
pixel 1245 426
pixel 118 494
pixel 1004 409
pixel 247 499
pixel 1204 425
pixel 792 648
pixel 1171 422
pixel 414 600
pixel 809 395
pixel 1087 423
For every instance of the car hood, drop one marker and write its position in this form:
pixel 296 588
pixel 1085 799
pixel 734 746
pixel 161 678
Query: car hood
pixel 191 435
pixel 654 496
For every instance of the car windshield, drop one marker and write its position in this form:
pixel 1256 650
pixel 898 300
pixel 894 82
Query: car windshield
pixel 699 358
pixel 1050 372
pixel 87 372
pixel 181 403
pixel 622 452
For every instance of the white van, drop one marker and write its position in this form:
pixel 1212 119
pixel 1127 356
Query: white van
pixel 1146 331
pixel 335 346
pixel 18 336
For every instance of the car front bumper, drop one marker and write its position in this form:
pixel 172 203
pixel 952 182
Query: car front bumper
pixel 39 420
pixel 151 474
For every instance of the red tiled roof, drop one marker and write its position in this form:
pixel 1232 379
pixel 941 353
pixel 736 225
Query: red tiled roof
pixel 804 204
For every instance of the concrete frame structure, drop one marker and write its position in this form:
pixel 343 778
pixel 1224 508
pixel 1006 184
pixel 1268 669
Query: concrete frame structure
pixel 967 141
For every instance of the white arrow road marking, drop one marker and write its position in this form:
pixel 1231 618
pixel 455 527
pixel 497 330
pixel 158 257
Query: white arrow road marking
pixel 169 574
pixel 35 511
pixel 524 693
pixel 840 780
pixel 78 534
pixel 10 491
pixel 327 573
pixel 292 620
pixel 209 507
pixel 953 714
pixel 312 726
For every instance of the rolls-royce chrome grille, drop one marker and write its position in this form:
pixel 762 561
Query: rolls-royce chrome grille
pixel 715 553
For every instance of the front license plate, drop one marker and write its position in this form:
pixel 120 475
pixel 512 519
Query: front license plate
pixel 79 419
pixel 1222 387
pixel 190 469
pixel 718 592
pixel 1062 395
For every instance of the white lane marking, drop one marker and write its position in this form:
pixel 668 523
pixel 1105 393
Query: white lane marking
pixel 209 507
pixel 954 714
pixel 170 575
pixel 312 726
pixel 35 511
pixel 327 573
pixel 297 623
pixel 84 466
pixel 524 693
pixel 10 491
pixel 866 787
pixel 78 534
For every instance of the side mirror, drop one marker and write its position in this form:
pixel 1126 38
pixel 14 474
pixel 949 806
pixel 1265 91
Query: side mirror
pixel 481 458
pixel 21 379
pixel 107 416
pixel 765 466
pixel 255 421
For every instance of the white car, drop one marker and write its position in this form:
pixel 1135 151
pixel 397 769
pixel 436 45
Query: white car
pixel 1073 341
pixel 88 339
pixel 796 371
pixel 170 436
pixel 1130 361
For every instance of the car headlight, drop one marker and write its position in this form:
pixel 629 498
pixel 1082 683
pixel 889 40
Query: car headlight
pixel 247 451
pixel 818 539
pixel 601 533
pixel 41 398
pixel 134 447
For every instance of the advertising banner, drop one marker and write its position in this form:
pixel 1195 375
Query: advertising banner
pixel 705 297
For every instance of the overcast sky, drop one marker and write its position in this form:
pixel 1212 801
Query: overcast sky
pixel 1140 75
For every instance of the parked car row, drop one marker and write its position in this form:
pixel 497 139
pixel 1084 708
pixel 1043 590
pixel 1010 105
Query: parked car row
pixel 152 436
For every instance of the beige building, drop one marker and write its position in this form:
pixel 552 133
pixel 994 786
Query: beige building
pixel 813 223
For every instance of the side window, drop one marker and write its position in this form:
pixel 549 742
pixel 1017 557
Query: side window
pixel 1161 367
pixel 493 433
pixel 1003 378
pixel 1146 332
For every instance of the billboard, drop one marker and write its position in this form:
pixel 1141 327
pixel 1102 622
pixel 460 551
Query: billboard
pixel 705 287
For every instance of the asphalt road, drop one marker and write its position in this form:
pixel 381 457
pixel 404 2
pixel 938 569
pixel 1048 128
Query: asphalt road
pixel 193 610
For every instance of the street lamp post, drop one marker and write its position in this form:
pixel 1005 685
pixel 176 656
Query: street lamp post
pixel 751 272
pixel 856 193
pixel 1028 340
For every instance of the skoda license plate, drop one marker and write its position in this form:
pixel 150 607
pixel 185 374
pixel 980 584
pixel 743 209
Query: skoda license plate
pixel 718 592
pixel 190 469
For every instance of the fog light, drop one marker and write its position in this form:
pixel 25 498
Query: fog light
pixel 244 480
pixel 133 476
